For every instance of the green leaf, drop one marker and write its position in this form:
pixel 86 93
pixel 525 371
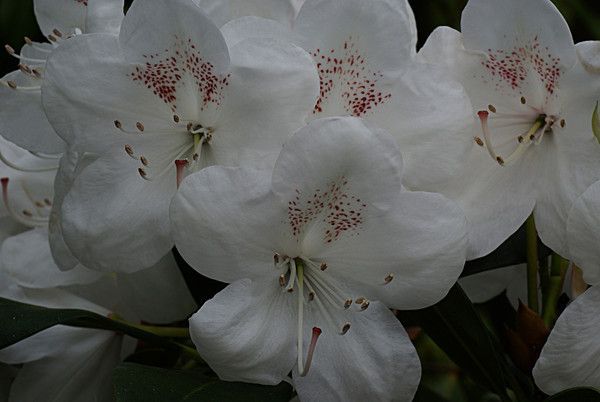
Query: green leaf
pixel 596 122
pixel 457 329
pixel 576 395
pixel 512 252
pixel 138 383
pixel 21 320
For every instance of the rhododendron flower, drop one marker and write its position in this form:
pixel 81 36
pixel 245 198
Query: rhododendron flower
pixel 534 100
pixel 165 98
pixel 314 253
pixel 22 119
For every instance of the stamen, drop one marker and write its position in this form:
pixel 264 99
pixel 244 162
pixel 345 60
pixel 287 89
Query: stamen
pixel 57 33
pixel 143 174
pixel 52 38
pixel 28 41
pixel 348 303
pixel 176 118
pixel 345 328
pixel 139 126
pixel 14 54
pixel 364 305
pixel 180 164
pixel 323 266
pixel 479 141
pixel 563 123
pixel 282 280
pixel 144 160
pixel 316 332
pixel 300 311
pixel 483 117
pixel 523 100
pixel 492 108
pixel 26 217
pixel 360 300
pixel 129 151
pixel 13 165
pixel 290 285
pixel 13 85
pixel 388 278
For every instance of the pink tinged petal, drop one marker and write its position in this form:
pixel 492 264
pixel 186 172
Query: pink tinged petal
pixel 359 49
pixel 104 16
pixel 247 332
pixel 373 360
pixel 408 257
pixel 26 258
pixel 571 356
pixel 324 177
pixel 226 223
pixel 22 119
pixel 222 11
pixel 589 55
pixel 582 231
pixel 108 202
pixel 63 15
pixel 528 45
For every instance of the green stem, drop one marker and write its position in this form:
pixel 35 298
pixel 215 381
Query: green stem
pixel 558 271
pixel 166 332
pixel 532 265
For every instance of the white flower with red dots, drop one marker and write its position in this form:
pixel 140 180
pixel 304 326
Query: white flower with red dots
pixel 20 90
pixel 534 99
pixel 364 53
pixel 165 98
pixel 314 253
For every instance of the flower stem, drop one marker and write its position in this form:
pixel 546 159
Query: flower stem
pixel 532 264
pixel 558 271
pixel 166 332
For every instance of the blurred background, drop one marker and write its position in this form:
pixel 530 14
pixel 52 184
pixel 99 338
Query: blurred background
pixel 17 20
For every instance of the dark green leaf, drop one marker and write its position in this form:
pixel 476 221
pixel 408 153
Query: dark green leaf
pixel 512 252
pixel 20 321
pixel 457 329
pixel 576 395
pixel 137 383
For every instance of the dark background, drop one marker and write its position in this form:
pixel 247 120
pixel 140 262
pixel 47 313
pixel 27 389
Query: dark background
pixel 17 20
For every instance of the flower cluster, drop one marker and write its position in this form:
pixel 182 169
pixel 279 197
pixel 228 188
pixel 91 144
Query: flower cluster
pixel 307 156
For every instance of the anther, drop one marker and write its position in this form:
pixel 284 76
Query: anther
pixel 316 332
pixel 195 156
pixel 176 118
pixel 311 296
pixel 323 266
pixel 345 328
pixel 143 173
pixel 479 141
pixel 500 160
pixel 9 49
pixel 523 100
pixel 36 72
pixel 388 278
pixel 520 139
pixel 52 38
pixel 24 69
pixel 347 303
pixel 39 204
pixel 27 40
pixel 492 108
pixel 180 164
pixel 47 202
pixel 282 280
pixel 275 258
pixel 364 305
pixel 144 160
pixel 129 150
pixel 189 126
pixel 563 123
pixel 57 33
pixel 360 300
pixel 12 84
pixel 118 124
pixel 139 126
pixel 27 213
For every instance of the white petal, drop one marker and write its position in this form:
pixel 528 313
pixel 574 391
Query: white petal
pixel 157 294
pixel 583 237
pixel 153 25
pixel 64 15
pixel 338 152
pixel 225 222
pixel 589 55
pixel 374 360
pixel 22 119
pixel 27 259
pixel 222 11
pixel 273 87
pixel 420 243
pixel 104 16
pixel 428 114
pixel 247 332
pixel 571 356
pixel 74 364
pixel 484 286
pixel 252 27
pixel 113 219
pixel 489 24
pixel 358 47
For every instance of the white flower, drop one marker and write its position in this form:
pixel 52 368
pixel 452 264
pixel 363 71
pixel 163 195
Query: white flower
pixel 571 356
pixel 364 53
pixel 314 254
pixel 22 119
pixel 178 97
pixel 537 152
pixel 223 11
